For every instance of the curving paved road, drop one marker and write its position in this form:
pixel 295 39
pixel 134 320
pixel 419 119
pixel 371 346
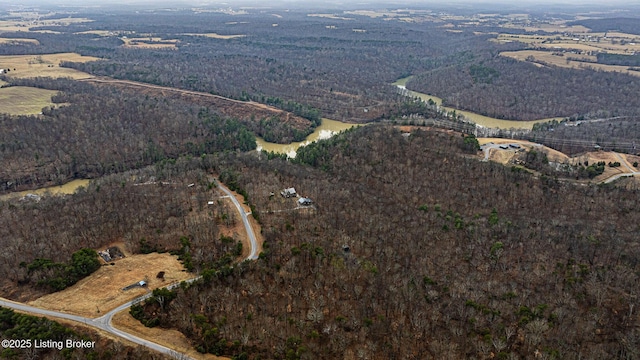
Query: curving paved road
pixel 104 322
pixel 618 176
pixel 252 236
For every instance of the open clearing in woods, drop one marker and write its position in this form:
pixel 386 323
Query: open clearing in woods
pixel 102 290
pixel 149 43
pixel 22 100
pixel 217 36
pixel 12 41
pixel 507 156
pixel 566 61
pixel 29 66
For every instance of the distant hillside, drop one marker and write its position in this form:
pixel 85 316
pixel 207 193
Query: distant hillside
pixel 621 24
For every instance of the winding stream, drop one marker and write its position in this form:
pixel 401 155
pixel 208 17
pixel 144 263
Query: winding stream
pixel 481 120
pixel 64 189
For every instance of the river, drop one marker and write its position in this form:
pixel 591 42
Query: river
pixel 327 129
pixel 481 120
pixel 68 188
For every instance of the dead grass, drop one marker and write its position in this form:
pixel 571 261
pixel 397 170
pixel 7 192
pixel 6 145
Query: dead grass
pixel 550 28
pixel 150 43
pixel 172 339
pixel 96 32
pixel 330 16
pixel 22 100
pixel 27 66
pixel 612 43
pixel 566 61
pixel 18 41
pixel 630 159
pixel 218 36
pixel 27 25
pixel 606 156
pixel 102 291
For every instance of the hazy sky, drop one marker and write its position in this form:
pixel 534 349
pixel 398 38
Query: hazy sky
pixel 507 5
pixel 316 3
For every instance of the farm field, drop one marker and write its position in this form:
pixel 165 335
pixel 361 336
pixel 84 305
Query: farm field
pixel 614 43
pixel 17 41
pixel 544 58
pixel 217 36
pixel 149 43
pixel 26 66
pixel 27 24
pixel 23 100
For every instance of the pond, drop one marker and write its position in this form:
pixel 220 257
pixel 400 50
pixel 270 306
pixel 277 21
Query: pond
pixel 327 129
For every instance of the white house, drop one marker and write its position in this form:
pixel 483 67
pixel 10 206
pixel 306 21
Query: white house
pixel 290 192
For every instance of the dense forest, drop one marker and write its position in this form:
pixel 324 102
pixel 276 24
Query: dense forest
pixel 493 87
pixel 419 251
pixel 100 130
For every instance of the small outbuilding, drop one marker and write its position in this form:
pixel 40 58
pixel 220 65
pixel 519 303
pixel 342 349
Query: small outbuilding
pixel 290 192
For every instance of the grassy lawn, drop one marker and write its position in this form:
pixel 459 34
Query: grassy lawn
pixel 21 100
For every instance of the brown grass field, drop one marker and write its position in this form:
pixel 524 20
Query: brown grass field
pixel 612 43
pixel 17 41
pixel 96 32
pixel 22 100
pixel 150 43
pixel 27 25
pixel 102 291
pixel 566 61
pixel 27 66
pixel 550 28
pixel 218 36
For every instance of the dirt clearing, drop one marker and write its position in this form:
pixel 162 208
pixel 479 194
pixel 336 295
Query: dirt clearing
pixel 102 291
pixel 498 155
